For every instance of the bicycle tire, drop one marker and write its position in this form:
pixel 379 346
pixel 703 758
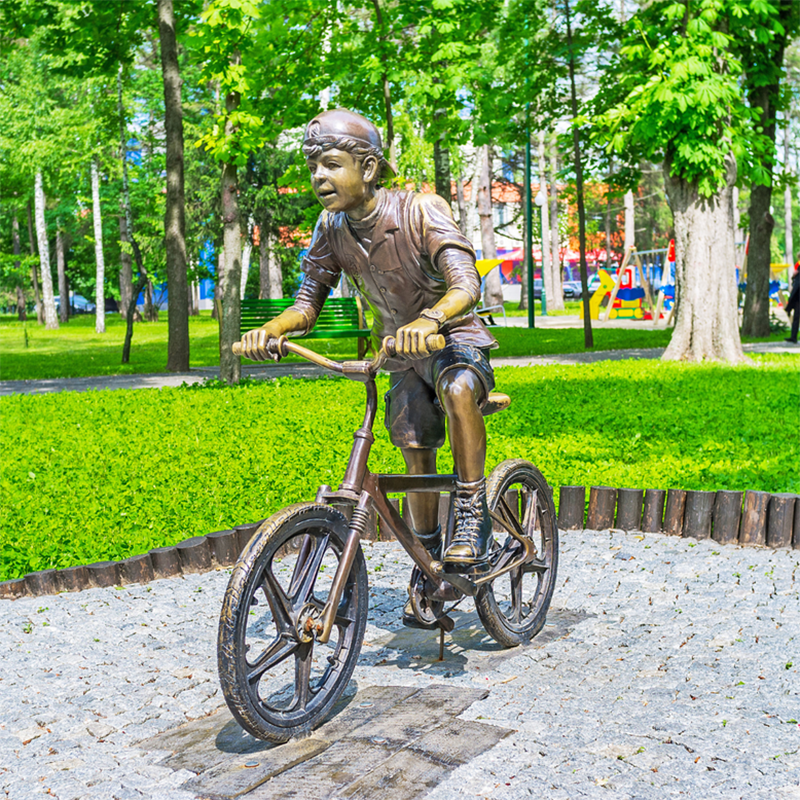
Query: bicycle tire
pixel 258 695
pixel 516 620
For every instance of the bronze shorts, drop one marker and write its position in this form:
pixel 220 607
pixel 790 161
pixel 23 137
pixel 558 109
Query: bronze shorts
pixel 414 414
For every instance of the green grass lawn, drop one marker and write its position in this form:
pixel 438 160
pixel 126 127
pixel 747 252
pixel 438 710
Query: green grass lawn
pixel 95 475
pixel 76 351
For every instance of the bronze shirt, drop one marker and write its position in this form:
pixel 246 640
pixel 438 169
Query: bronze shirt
pixel 400 267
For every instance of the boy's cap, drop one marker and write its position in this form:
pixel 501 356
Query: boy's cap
pixel 342 122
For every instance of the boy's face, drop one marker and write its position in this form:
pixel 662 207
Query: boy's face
pixel 338 180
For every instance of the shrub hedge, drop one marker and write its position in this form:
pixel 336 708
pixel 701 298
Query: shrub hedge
pixel 105 475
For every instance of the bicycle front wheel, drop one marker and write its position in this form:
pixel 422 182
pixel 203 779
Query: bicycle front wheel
pixel 278 681
pixel 513 607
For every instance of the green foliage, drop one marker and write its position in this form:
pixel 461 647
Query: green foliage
pixel 675 94
pixel 78 486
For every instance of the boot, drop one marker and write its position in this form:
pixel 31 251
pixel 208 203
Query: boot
pixel 472 531
pixel 433 544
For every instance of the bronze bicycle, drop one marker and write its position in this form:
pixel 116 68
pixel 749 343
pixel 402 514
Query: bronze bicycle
pixel 295 610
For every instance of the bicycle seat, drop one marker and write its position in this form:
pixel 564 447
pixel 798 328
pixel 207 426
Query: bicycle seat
pixel 496 402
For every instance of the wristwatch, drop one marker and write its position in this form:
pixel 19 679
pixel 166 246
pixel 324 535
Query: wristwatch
pixel 439 317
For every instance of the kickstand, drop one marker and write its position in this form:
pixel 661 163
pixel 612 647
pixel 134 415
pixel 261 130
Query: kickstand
pixel 441 644
pixel 445 624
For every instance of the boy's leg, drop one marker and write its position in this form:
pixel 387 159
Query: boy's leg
pixel 424 506
pixel 461 392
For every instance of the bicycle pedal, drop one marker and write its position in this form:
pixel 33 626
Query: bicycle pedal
pixel 467 569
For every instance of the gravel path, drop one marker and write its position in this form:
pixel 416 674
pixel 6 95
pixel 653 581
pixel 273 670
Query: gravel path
pixel 304 370
pixel 676 675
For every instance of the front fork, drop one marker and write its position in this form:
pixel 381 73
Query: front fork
pixel 431 568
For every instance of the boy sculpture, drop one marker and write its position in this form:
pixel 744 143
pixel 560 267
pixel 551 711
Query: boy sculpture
pixel 416 270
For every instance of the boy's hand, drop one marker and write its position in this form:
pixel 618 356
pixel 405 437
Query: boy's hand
pixel 254 343
pixel 410 339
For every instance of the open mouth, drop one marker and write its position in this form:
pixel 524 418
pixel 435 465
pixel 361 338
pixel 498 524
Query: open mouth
pixel 327 193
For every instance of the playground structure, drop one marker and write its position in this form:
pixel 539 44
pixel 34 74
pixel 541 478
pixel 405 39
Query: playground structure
pixel 626 300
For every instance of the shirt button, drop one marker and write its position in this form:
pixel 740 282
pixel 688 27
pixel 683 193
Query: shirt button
pixel 372 267
pixel 383 289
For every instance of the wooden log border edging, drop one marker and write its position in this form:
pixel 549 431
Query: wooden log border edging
pixel 728 517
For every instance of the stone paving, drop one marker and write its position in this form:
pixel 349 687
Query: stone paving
pixel 669 668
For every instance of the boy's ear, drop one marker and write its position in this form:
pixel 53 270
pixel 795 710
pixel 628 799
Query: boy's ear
pixel 370 167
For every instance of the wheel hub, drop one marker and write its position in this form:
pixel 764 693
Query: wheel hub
pixel 307 621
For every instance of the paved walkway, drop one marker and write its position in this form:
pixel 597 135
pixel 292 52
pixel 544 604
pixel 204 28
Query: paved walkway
pixel 299 370
pixel 668 668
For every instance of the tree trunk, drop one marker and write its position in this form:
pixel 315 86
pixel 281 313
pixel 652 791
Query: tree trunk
pixel 630 222
pixel 150 308
pixel 387 93
pixel 554 298
pixel 50 318
pixel 276 276
pixel 526 188
pixel 125 268
pixel 492 286
pixel 230 273
pixel 554 234
pixel 588 338
pixel 706 314
pixel 247 252
pixel 755 321
pixel 175 213
pixel 142 279
pixel 608 227
pixel 264 255
pixel 63 306
pixel 34 273
pixel 787 203
pixel 100 297
pixel 441 166
pixel 463 221
pixel 22 313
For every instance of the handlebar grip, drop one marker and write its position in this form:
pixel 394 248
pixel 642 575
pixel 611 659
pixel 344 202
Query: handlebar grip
pixel 433 342
pixel 236 347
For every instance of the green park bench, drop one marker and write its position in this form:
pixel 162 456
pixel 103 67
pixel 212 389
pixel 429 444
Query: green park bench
pixel 340 318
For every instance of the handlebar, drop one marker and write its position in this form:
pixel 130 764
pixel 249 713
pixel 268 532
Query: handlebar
pixel 356 370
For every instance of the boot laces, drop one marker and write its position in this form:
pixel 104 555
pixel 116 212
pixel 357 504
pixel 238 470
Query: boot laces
pixel 467 512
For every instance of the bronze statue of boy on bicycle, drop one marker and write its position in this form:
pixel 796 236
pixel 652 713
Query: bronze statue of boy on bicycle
pixel 416 270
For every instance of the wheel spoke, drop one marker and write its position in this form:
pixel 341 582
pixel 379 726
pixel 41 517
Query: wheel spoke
pixel 537 565
pixel 306 573
pixel 516 594
pixel 302 558
pixel 280 649
pixel 530 503
pixel 302 676
pixel 506 517
pixel 279 603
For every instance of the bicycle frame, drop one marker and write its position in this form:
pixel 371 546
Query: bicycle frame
pixel 363 489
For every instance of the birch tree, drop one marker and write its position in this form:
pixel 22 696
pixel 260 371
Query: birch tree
pixel 492 288
pixel 48 301
pixel 97 219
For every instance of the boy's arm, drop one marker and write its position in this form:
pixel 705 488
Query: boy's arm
pixel 299 317
pixel 463 293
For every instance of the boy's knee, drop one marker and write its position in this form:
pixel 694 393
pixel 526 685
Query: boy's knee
pixel 459 388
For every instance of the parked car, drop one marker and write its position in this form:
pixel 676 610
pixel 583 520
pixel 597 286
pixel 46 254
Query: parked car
pixel 572 290
pixel 78 305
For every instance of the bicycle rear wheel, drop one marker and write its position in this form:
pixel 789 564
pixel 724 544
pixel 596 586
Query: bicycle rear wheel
pixel 278 681
pixel 514 606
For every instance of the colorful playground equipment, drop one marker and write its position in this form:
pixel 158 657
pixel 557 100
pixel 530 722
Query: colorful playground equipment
pixel 625 300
